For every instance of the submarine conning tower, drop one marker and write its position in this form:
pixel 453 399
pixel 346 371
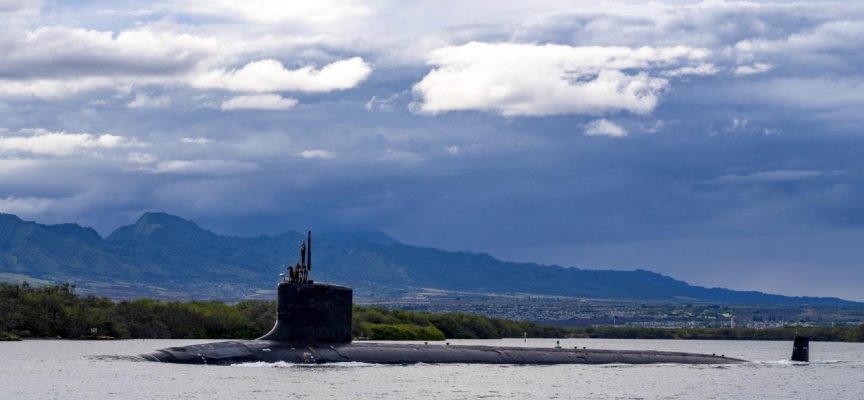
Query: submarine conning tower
pixel 801 348
pixel 310 312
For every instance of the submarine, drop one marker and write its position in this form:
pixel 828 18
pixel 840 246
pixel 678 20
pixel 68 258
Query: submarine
pixel 313 326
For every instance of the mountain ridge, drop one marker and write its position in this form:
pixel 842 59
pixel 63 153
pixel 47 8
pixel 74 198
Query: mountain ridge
pixel 162 252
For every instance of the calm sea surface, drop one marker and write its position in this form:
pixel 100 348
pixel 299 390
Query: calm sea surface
pixel 44 369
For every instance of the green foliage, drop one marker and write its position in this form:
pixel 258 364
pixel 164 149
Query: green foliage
pixel 451 325
pixel 56 311
pixel 404 332
pixel 146 318
pixel 856 335
pixel 50 311
pixel 7 337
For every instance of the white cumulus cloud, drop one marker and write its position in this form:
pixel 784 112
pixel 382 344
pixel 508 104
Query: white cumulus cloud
pixel 528 79
pixel 259 102
pixel 40 141
pixel 271 76
pixel 53 88
pixel 604 127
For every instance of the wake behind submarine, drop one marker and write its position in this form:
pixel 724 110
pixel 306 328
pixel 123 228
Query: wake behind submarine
pixel 313 326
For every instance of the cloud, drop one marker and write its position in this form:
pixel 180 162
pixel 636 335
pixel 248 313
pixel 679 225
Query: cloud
pixel 382 104
pixel 10 166
pixel 604 127
pixel 757 68
pixel 149 163
pixel 317 154
pixel 141 158
pixel 528 79
pixel 25 205
pixel 799 43
pixel 199 140
pixel 738 124
pixel 144 101
pixel 655 126
pixel 60 51
pixel 698 70
pixel 828 43
pixel 55 61
pixel 271 76
pixel 804 93
pixel 53 88
pixel 400 157
pixel 202 167
pixel 19 6
pixel 40 141
pixel 259 102
pixel 766 177
pixel 452 150
pixel 275 11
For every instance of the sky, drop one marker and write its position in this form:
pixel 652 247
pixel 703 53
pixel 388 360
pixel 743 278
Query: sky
pixel 716 142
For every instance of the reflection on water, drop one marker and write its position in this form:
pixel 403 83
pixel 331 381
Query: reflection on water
pixel 87 370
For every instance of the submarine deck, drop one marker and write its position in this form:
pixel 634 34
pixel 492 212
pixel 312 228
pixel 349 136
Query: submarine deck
pixel 245 351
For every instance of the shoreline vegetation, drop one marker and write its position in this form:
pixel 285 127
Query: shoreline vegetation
pixel 55 311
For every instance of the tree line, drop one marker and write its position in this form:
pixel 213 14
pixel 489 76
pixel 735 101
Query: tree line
pixel 56 311
pixel 368 320
pixel 820 334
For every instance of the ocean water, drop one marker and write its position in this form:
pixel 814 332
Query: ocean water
pixel 47 369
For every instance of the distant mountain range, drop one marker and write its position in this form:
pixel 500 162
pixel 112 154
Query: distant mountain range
pixel 166 256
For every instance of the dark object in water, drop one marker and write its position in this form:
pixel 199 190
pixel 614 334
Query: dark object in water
pixel 801 349
pixel 313 326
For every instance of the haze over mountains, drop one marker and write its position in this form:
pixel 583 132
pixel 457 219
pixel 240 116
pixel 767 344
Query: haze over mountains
pixel 167 256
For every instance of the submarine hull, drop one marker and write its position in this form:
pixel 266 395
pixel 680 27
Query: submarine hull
pixel 251 351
